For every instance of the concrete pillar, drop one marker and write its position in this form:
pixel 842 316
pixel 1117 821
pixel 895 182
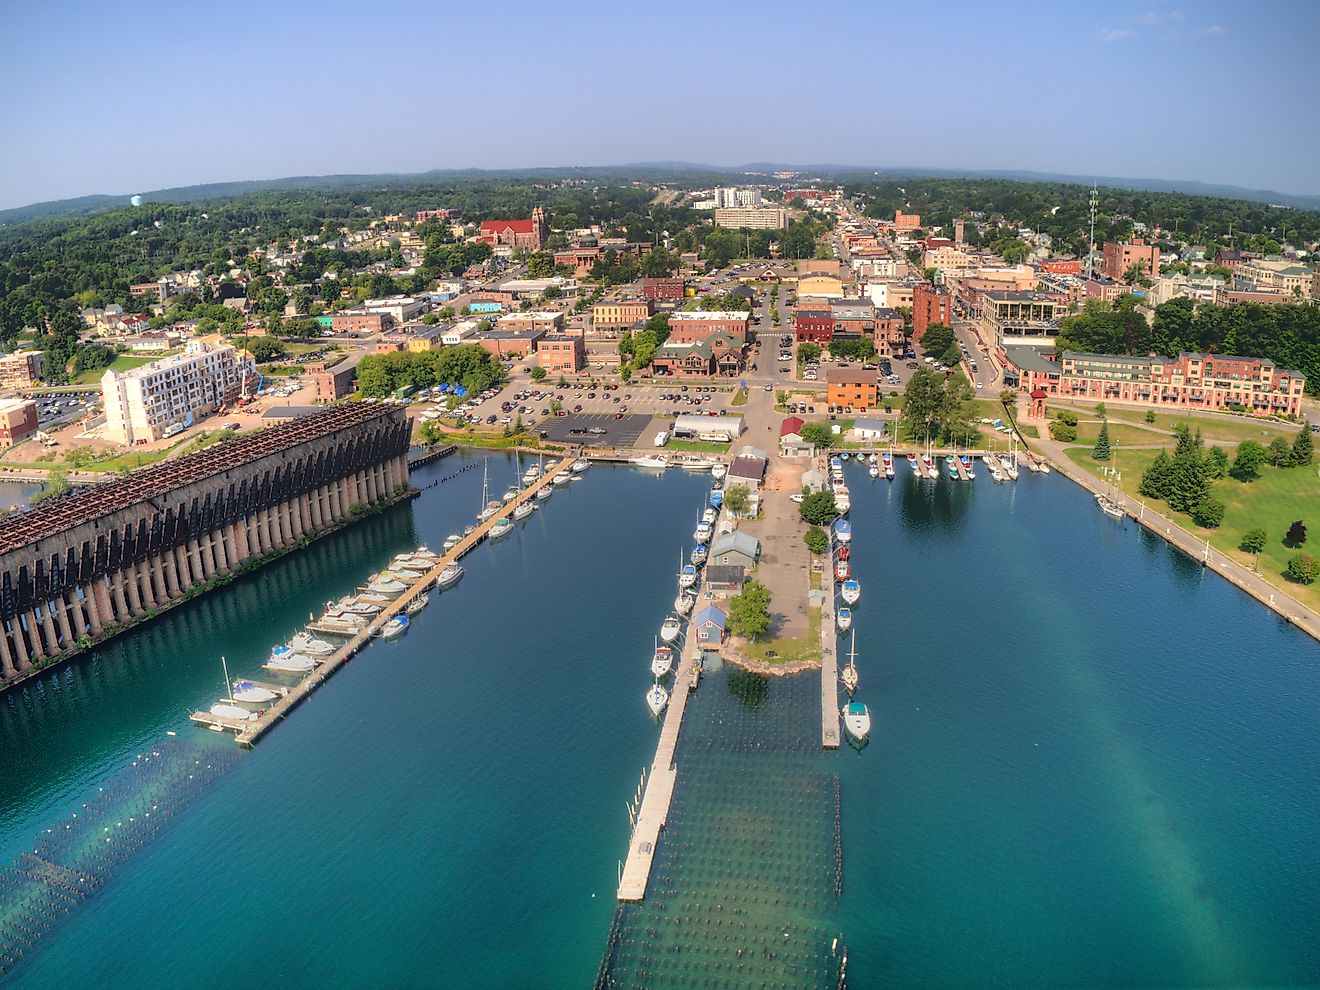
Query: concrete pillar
pixel 118 590
pixel 334 495
pixel 132 591
pixel 210 562
pixel 94 621
pixel 238 536
pixel 105 608
pixel 222 549
pixel 143 576
pixel 61 608
pixel 48 625
pixel 297 516
pixel 166 564
pixel 8 666
pixel 181 568
pixel 266 538
pixel 21 660
pixel 73 608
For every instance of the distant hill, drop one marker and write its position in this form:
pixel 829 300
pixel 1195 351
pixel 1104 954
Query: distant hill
pixel 638 171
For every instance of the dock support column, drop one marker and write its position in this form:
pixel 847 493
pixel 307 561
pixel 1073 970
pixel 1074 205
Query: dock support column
pixel 132 592
pixel 48 625
pixel 148 592
pixel 296 517
pixel 21 659
pixel 336 492
pixel 62 621
pixel 314 508
pixel 223 551
pixel 166 563
pixel 105 608
pixel 93 609
pixel 7 667
pixel 74 615
pixel 264 538
pixel 206 549
pixel 118 594
pixel 238 534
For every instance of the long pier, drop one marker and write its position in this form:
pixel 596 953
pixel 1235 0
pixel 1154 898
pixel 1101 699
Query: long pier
pixel 249 731
pixel 829 660
pixel 432 455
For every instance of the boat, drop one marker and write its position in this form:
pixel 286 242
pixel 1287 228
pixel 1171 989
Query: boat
pixel 387 586
pixel 305 642
pixel 850 591
pixel 698 464
pixel 1109 507
pixel 699 554
pixel 912 463
pixel 656 698
pixel 716 498
pixel 285 659
pixel 849 674
pixel 252 693
pixel 843 456
pixel 509 495
pixel 835 462
pixel 845 552
pixel 417 604
pixel 1009 466
pixel 709 515
pixel 563 478
pixel 992 465
pixel 662 660
pixel 531 474
pixel 488 508
pixel 449 577
pixel 670 629
pixel 544 492
pixel 718 471
pixel 683 603
pixel 650 461
pixel 397 626
pixel 871 458
pixel 857 720
pixel 503 527
pixel 580 465
pixel 451 541
pixel 358 606
pixel 844 618
pixel 888 461
pixel 842 500
pixel 226 710
pixel 702 533
pixel 687 577
pixel 470 528
pixel 524 510
pixel 929 465
pixel 951 465
pixel 842 570
pixel 843 531
pixel 873 471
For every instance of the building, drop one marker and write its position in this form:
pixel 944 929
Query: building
pixel 549 320
pixel 853 318
pixel 906 221
pixel 852 389
pixel 689 327
pixel 714 354
pixel 502 342
pixel 159 289
pixel 361 322
pixel 401 309
pixel 725 577
pixel 716 429
pixel 425 215
pixel 18 421
pixel 1119 257
pixel 524 288
pixel 1189 381
pixel 528 234
pixel 619 314
pixel 735 547
pixel 21 369
pixel 823 284
pixel 930 304
pixel 459 333
pixel 770 218
pixel 710 623
pixel 791 443
pixel 814 325
pixel 668 289
pixel 143 403
pixel 580 259
pixel 726 198
pixel 825 266
pixel 329 383
pixel 889 331
pixel 1284 276
pixel 749 467
pixel 1011 317
pixel 870 429
pixel 561 353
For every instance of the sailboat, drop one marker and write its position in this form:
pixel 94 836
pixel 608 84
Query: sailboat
pixel 889 464
pixel 661 660
pixel 231 709
pixel 967 464
pixel 849 675
pixel 525 508
pixel 670 629
pixel 656 698
pixel 545 491
pixel 488 508
pixel 245 690
pixel 417 604
pixel 873 471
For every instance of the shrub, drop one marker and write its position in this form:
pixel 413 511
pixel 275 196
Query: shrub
pixel 1209 512
pixel 1062 432
pixel 1303 568
pixel 1067 416
pixel 1253 540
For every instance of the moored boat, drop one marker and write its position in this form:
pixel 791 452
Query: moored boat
pixel 719 470
pixel 283 658
pixel 857 720
pixel 226 710
pixel 417 604
pixel 544 492
pixel 850 591
pixel 687 577
pixel 699 554
pixel 397 626
pixel 683 603
pixel 1109 507
pixel 524 510
pixel 650 461
pixel 873 471
pixel 305 642
pixel 580 465
pixel 702 533
pixel 843 531
pixel 844 618
pixel 656 698
pixel 252 693
pixel 503 527
pixel 563 478
pixel 842 570
pixel 662 660
pixel 670 629
pixel 449 577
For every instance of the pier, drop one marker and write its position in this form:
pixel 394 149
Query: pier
pixel 248 732
pixel 439 453
pixel 829 660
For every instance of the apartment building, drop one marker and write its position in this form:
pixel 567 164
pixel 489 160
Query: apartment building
pixel 20 369
pixel 548 320
pixel 619 314
pixel 561 353
pixel 770 218
pixel 700 324
pixel 726 198
pixel 930 304
pixel 361 321
pixel 143 404
pixel 1119 257
pixel 852 389
pixel 906 221
pixel 18 421
pixel 668 289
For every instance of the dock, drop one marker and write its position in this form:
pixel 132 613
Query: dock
pixel 248 732
pixel 829 661
pixel 432 455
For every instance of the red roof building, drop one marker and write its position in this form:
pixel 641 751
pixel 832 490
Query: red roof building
pixel 529 234
pixel 792 425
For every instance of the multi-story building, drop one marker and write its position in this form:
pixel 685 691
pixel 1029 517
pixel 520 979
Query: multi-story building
pixel 20 369
pixel 930 304
pixel 330 383
pixel 1189 381
pixel 528 234
pixel 549 320
pixel 514 342
pixel 906 221
pixel 561 353
pixel 579 258
pixel 1283 276
pixel 823 284
pixel 361 321
pixel 400 308
pixel 686 327
pixel 889 336
pixel 718 354
pixel 18 421
pixel 814 325
pixel 1013 317
pixel 948 258
pixel 668 289
pixel 617 315
pixel 727 198
pixel 142 404
pixel 1119 257
pixel 853 318
pixel 852 389
pixel 824 266
pixel 769 218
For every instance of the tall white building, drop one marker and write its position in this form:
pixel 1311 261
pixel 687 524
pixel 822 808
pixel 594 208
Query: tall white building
pixel 737 198
pixel 771 218
pixel 142 404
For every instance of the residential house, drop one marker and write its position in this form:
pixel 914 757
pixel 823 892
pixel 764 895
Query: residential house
pixel 870 429
pixel 735 547
pixel 852 389
pixel 791 443
pixel 711 623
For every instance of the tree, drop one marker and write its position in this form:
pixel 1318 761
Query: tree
pixel 1253 540
pixel 1280 452
pixel 1248 462
pixel 937 339
pixel 538 374
pixel 808 351
pixel 1303 568
pixel 1302 451
pixel 1296 534
pixel 265 349
pixel 1157 481
pixel 818 434
pixel 1209 512
pixel 1100 410
pixel 923 399
pixel 1216 463
pixel 1188 484
pixel 816 539
pixel 1150 415
pixel 1101 451
pixel 1062 432
pixel 818 508
pixel 749 612
pixel 540 265
pixel 737 500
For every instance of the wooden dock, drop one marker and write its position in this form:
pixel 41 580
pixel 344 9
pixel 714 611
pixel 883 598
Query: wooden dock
pixel 829 660
pixel 432 455
pixel 248 732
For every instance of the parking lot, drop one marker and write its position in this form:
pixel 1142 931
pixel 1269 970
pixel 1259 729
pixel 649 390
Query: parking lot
pixel 599 430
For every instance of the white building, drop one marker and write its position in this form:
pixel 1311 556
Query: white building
pixel 401 308
pixel 771 218
pixel 146 403
pixel 458 333
pixel 737 198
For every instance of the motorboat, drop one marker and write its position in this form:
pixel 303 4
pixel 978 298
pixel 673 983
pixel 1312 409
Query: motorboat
pixel 850 591
pixel 670 629
pixel 716 498
pixel 873 471
pixel 967 466
pixel 563 478
pixel 844 456
pixel 843 531
pixel 683 603
pixel 951 465
pixel 699 554
pixel 656 698
pixel 285 659
pixel 358 606
pixel 872 458
pixel 502 527
pixel 252 693
pixel 305 642
pixel 397 626
pixel 388 586
pixel 698 464
pixel 509 495
pixel 702 534
pixel 580 465
pixel 417 604
pixel 842 500
pixel 650 461
pixel 225 710
pixel 544 492
pixel 845 551
pixel 719 471
pixel 470 528
pixel 490 511
pixel 449 577
pixel 687 577
pixel 662 660
pixel 842 570
pixel 844 618
pixel 857 720
pixel 524 510
pixel 531 474
pixel 709 516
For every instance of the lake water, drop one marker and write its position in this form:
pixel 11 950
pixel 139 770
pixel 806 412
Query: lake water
pixel 1092 763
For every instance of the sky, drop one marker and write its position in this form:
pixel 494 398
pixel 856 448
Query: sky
pixel 114 96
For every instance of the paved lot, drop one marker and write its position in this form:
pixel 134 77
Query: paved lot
pixel 618 432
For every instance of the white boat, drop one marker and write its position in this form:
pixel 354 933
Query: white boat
pixel 698 464
pixel 650 461
pixel 283 658
pixel 226 710
pixel 857 720
pixel 683 603
pixel 252 693
pixel 387 586
pixel 524 510
pixel 580 465
pixel 449 577
pixel 357 606
pixel 509 495
pixel 843 456
pixel 656 698
pixel 719 471
pixel 702 534
pixel 873 471
pixel 563 478
pixel 502 527
pixel 842 570
pixel 872 458
pixel 397 626
pixel 670 629
pixel 709 516
pixel 850 591
pixel 662 660
pixel 417 604
pixel 1009 466
pixel 699 554
pixel 845 619
pixel 305 642
pixel 843 531
pixel 849 674
pixel 1109 507
pixel 687 577
pixel 842 500
pixel 531 474
pixel 544 492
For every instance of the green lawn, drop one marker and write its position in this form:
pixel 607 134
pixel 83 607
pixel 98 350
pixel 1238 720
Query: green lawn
pixel 1212 427
pixel 1122 434
pixel 739 398
pixel 699 446
pixel 1271 502
pixel 124 362
pixel 795 650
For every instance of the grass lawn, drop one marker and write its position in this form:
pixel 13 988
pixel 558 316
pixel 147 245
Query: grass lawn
pixel 795 650
pixel 739 398
pixel 1216 427
pixel 1123 434
pixel 700 446
pixel 1271 502
pixel 124 362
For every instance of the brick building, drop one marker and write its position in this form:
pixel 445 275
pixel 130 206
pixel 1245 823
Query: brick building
pixel 906 221
pixel 619 314
pixel 699 324
pixel 930 304
pixel 852 389
pixel 889 331
pixel 668 289
pixel 814 325
pixel 549 320
pixel 560 353
pixel 502 342
pixel 528 234
pixel 351 322
pixel 1119 257
pixel 330 383
pixel 18 421
pixel 580 259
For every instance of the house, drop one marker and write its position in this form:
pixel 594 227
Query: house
pixel 736 547
pixel 725 577
pixel 870 429
pixel 791 443
pixel 746 468
pixel 711 622
pixel 852 388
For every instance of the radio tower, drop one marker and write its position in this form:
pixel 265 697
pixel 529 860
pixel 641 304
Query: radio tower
pixel 1090 256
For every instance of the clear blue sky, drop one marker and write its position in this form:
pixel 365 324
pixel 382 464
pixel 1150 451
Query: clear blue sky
pixel 121 97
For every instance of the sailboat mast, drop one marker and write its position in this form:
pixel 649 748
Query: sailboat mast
pixel 229 687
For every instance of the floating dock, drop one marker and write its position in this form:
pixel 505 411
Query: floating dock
pixel 248 732
pixel 829 661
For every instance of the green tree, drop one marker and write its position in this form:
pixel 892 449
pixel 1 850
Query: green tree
pixel 1101 451
pixel 1302 451
pixel 937 339
pixel 1216 463
pixel 265 349
pixel 1209 512
pixel 1189 485
pixel 808 351
pixel 818 434
pixel 540 265
pixel 817 509
pixel 1296 534
pixel 737 500
pixel 1250 459
pixel 1100 410
pixel 1253 540
pixel 1303 568
pixel 1062 432
pixel 1157 481
pixel 749 611
pixel 923 402
pixel 816 539
pixel 1280 452
pixel 1150 415
pixel 538 374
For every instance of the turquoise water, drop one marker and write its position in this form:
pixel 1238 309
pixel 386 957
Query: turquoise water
pixel 1093 764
